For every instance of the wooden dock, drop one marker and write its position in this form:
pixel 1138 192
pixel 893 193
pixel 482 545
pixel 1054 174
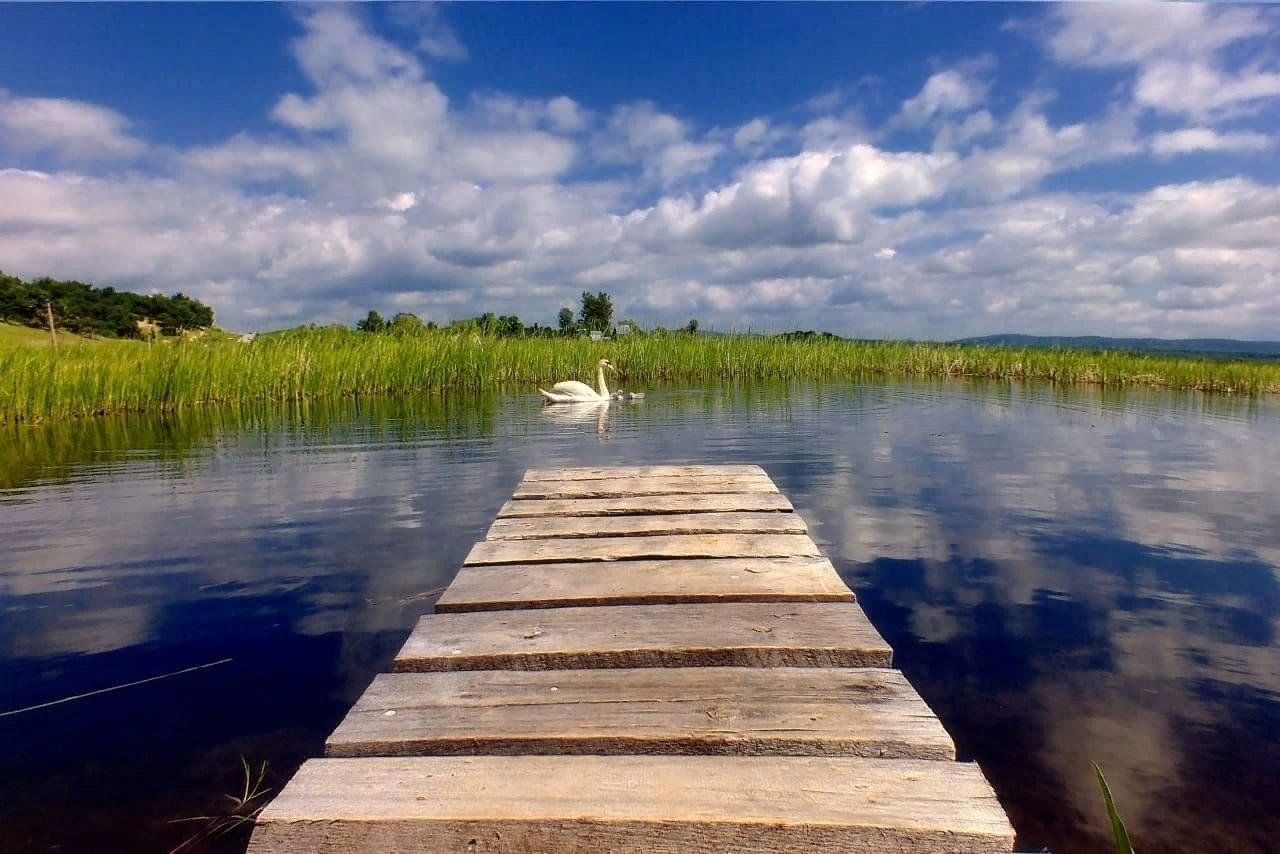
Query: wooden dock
pixel 651 659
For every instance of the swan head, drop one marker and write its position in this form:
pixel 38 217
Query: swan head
pixel 605 363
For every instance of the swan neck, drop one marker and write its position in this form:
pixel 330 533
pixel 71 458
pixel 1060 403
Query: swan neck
pixel 603 389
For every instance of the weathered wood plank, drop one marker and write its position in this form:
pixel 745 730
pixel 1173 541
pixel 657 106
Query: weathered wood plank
pixel 494 552
pixel 607 472
pixel 623 486
pixel 741 634
pixel 803 711
pixel 644 582
pixel 632 505
pixel 642 526
pixel 651 804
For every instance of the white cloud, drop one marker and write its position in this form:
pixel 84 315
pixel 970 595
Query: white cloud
pixel 951 91
pixel 338 48
pixel 660 143
pixel 400 202
pixel 435 37
pixel 1187 140
pixel 751 133
pixel 809 199
pixel 375 189
pixel 952 135
pixel 566 115
pixel 1030 148
pixel 71 130
pixel 1102 34
pixel 1233 213
pixel 1177 50
pixel 643 128
pixel 1198 89
pixel 686 158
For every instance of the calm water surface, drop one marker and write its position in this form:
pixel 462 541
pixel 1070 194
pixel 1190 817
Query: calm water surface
pixel 1066 576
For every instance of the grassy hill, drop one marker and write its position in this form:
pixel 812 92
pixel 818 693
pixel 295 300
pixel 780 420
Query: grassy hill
pixel 14 335
pixel 17 335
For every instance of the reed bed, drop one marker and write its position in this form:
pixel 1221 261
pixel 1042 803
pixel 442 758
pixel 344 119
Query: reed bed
pixel 39 384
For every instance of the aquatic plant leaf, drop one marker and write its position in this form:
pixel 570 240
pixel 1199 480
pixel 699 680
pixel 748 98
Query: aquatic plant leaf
pixel 1123 845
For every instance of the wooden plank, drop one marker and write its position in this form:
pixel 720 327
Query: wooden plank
pixel 623 486
pixel 494 552
pixel 740 634
pixel 804 711
pixel 635 526
pixel 650 804
pixel 644 582
pixel 633 505
pixel 609 472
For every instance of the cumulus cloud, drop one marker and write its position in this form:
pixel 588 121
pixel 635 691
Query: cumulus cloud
pixel 1176 50
pixel 1030 148
pixel 70 130
pixel 659 143
pixel 373 187
pixel 812 198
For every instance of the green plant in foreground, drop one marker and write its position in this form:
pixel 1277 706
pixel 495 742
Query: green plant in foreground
pixel 1123 845
pixel 244 809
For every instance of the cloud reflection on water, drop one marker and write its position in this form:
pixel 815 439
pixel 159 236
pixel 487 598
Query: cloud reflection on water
pixel 1065 575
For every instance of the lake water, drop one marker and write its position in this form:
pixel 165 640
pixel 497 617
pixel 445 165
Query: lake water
pixel 1065 575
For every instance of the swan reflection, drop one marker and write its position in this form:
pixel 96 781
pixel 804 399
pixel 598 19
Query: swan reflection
pixel 583 412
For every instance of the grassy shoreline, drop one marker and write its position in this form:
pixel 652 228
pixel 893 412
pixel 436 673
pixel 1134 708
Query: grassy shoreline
pixel 38 384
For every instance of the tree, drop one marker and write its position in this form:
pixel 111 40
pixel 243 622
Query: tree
pixel 97 311
pixel 565 319
pixel 509 326
pixel 597 311
pixel 372 322
pixel 405 323
pixel 692 327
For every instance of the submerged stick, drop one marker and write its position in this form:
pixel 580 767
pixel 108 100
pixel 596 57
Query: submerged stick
pixel 113 688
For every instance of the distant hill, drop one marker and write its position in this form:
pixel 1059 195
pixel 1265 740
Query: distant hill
pixel 1190 346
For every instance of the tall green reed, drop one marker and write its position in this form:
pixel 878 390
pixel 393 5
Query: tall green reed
pixel 41 383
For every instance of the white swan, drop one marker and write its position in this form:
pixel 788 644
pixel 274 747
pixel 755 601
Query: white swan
pixel 572 391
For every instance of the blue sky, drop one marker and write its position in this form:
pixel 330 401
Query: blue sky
pixel 872 169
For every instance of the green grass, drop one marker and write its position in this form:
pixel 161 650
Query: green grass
pixel 97 378
pixel 13 335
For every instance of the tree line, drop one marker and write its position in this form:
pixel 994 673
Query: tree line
pixel 595 314
pixel 89 310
